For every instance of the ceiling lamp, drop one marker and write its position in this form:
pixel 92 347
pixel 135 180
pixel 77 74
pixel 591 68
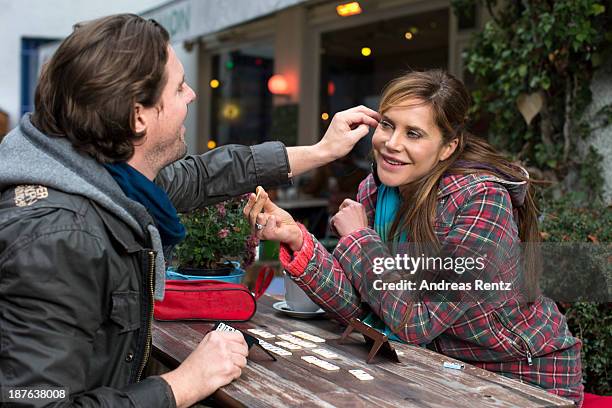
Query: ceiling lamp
pixel 348 9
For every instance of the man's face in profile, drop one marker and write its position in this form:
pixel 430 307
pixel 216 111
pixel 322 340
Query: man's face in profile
pixel 165 135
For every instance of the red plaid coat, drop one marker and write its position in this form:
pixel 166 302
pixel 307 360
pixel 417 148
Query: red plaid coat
pixel 529 342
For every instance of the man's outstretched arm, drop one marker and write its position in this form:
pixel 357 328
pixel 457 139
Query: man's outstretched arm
pixel 231 170
pixel 345 130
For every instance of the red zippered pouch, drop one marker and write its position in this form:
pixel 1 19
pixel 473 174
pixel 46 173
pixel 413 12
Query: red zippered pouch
pixel 211 300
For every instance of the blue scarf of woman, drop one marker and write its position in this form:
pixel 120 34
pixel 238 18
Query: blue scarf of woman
pixel 388 202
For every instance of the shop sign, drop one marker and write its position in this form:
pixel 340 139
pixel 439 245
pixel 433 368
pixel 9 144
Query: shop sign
pixel 176 18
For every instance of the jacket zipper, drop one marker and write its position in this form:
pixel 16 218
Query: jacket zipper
pixel 528 353
pixel 150 316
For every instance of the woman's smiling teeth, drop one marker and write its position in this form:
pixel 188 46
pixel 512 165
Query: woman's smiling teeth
pixel 393 162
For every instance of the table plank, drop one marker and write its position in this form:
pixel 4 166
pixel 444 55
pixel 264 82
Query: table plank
pixel 418 381
pixel 486 383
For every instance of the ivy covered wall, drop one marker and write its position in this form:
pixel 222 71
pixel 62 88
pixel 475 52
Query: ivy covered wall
pixel 534 62
pixel 601 137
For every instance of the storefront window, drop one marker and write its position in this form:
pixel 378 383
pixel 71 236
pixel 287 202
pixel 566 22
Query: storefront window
pixel 357 62
pixel 241 105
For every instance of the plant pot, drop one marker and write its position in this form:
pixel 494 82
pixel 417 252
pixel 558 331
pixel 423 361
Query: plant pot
pixel 235 275
pixel 219 271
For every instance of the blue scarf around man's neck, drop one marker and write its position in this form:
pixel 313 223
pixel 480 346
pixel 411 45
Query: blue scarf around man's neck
pixel 139 188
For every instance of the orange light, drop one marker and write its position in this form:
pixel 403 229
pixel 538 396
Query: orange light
pixel 325 116
pixel 348 9
pixel 278 85
pixel 231 111
pixel 211 144
pixel 214 83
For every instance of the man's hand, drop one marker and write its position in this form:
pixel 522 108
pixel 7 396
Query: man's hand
pixel 345 130
pixel 350 217
pixel 216 361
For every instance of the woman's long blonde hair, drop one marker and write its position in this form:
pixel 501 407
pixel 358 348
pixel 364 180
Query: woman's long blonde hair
pixel 450 102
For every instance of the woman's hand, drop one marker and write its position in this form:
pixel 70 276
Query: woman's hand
pixel 273 223
pixel 350 217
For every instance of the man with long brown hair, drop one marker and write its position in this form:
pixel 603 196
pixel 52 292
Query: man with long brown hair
pixel 90 186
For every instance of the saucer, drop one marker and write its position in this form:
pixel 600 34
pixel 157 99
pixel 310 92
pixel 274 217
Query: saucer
pixel 282 307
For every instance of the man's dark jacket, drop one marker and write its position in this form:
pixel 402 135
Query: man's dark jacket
pixel 78 261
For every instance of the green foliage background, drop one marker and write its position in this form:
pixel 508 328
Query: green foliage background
pixel 546 47
pixel 552 48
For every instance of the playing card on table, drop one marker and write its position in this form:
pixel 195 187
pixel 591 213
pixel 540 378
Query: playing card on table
pixel 262 333
pixel 288 345
pixel 295 340
pixel 274 349
pixel 308 337
pixel 321 363
pixel 325 353
pixel 362 375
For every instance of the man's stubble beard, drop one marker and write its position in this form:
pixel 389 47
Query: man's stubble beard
pixel 164 154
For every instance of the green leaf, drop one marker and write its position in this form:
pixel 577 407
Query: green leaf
pixel 597 9
pixel 522 70
pixel 548 43
pixel 596 59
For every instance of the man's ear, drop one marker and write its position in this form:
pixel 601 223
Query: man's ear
pixel 449 149
pixel 140 119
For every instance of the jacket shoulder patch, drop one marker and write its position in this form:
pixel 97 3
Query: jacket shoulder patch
pixel 27 195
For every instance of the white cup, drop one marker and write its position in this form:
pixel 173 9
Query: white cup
pixel 296 299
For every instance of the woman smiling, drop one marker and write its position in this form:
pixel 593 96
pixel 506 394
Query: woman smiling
pixel 434 185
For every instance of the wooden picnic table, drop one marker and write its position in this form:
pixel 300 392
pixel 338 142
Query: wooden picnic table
pixel 420 380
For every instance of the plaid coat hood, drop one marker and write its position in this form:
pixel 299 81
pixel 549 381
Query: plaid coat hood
pixel 527 341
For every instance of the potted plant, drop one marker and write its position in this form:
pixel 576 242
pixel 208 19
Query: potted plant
pixel 218 236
